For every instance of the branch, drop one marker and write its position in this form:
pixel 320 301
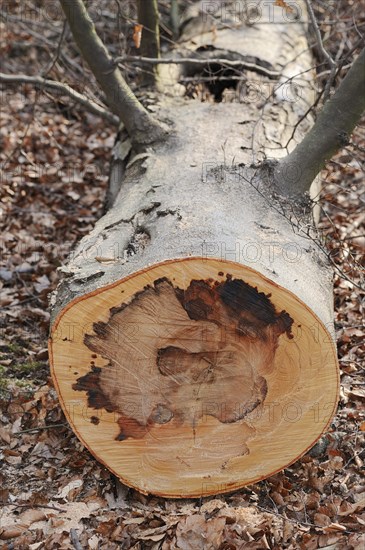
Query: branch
pixel 175 18
pixel 335 123
pixel 140 125
pixel 27 25
pixel 332 63
pixel 240 63
pixel 317 32
pixel 64 89
pixel 53 62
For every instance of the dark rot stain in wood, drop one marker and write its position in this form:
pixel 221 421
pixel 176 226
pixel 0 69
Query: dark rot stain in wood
pixel 94 420
pixel 244 302
pixel 100 329
pixel 198 309
pixel 241 297
pixel 90 383
pixel 202 351
pixel 129 427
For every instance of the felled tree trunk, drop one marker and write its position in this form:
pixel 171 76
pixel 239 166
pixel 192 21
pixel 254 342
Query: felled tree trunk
pixel 192 338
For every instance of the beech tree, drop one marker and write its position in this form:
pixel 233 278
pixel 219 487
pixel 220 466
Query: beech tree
pixel 192 341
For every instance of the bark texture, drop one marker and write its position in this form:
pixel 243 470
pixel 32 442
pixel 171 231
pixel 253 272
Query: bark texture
pixel 221 142
pixel 207 203
pixel 169 384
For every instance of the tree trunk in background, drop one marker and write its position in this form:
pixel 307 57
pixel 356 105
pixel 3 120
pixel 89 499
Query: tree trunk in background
pixel 148 16
pixel 192 338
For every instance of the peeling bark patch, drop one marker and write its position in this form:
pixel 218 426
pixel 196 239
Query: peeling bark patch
pixel 89 278
pixel 177 356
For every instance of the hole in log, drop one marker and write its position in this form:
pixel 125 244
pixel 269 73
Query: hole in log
pixel 176 356
pixel 218 82
pixel 210 81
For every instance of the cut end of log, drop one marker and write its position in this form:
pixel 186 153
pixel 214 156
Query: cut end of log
pixel 212 341
pixel 194 377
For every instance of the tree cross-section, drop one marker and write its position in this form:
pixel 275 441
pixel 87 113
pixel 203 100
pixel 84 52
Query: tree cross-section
pixel 194 377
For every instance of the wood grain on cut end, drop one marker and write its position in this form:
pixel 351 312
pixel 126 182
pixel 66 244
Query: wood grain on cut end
pixel 212 343
pixel 178 376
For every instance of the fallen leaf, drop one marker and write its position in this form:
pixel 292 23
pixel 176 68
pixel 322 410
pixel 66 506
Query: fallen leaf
pixel 334 527
pixel 137 35
pixel 75 484
pixel 195 533
pixel 283 4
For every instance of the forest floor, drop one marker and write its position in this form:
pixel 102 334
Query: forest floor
pixel 53 493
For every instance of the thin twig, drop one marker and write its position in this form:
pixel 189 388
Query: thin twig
pixel 65 89
pixel 299 230
pixel 20 141
pixel 57 54
pixel 30 505
pixel 28 26
pixel 212 78
pixel 191 60
pixel 332 63
pixel 317 32
pixel 303 117
pixel 41 428
pixel 353 237
pixel 295 521
pixel 355 455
